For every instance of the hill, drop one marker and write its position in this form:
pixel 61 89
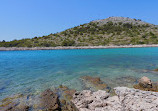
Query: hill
pixel 110 31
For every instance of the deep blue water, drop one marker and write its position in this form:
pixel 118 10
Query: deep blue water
pixel 35 71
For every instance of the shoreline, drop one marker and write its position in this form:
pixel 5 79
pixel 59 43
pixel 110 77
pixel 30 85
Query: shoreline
pixel 64 98
pixel 75 47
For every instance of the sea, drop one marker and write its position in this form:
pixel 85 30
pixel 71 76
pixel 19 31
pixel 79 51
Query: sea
pixel 34 71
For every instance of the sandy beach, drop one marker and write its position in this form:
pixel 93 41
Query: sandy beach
pixel 75 47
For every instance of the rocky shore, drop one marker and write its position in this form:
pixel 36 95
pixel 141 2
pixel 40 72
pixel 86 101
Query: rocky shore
pixel 96 97
pixel 126 99
pixel 75 47
pixel 143 98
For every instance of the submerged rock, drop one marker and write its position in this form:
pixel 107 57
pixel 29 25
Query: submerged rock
pixel 127 81
pixel 13 104
pixel 127 99
pixel 65 96
pixel 156 69
pixel 94 83
pixel 21 107
pixel 65 93
pixel 49 101
pixel 146 84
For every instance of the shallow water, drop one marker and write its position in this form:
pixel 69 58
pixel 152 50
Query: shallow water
pixel 35 71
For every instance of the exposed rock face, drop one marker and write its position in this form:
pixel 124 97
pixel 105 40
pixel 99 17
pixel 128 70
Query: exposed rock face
pixel 137 100
pixel 146 84
pixel 49 101
pixel 127 99
pixel 96 101
pixel 121 19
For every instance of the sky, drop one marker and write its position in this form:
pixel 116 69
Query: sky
pixel 30 18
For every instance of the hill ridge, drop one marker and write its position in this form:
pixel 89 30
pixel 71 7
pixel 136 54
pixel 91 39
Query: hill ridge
pixel 109 31
pixel 123 20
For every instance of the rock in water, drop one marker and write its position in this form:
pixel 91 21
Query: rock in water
pixel 145 82
pixel 156 69
pixel 49 101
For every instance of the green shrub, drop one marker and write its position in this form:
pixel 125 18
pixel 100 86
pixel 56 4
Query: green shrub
pixel 68 43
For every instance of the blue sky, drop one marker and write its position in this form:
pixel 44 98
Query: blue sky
pixel 30 18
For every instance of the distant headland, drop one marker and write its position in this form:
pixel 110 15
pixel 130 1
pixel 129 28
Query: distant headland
pixel 113 31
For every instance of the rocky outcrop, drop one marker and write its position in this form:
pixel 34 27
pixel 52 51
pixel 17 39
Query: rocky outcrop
pixel 137 100
pixel 96 101
pixel 122 20
pixel 49 101
pixel 56 100
pixel 127 99
pixel 146 84
pixel 65 96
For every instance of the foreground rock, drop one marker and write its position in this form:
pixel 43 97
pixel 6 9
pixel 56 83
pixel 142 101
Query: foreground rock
pixel 49 101
pixel 96 101
pixel 146 84
pixel 65 95
pixel 127 99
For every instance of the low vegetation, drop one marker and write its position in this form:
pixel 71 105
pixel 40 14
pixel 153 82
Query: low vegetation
pixel 93 34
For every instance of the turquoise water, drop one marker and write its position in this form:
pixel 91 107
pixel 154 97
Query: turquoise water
pixel 35 71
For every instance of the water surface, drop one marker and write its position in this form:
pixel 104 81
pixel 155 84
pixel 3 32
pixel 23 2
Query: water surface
pixel 35 71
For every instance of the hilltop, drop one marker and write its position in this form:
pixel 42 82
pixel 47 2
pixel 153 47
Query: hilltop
pixel 110 31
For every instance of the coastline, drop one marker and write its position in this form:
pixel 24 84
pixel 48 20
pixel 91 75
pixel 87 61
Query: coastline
pixel 75 47
pixel 63 98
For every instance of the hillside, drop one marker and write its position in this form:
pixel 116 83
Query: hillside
pixel 110 31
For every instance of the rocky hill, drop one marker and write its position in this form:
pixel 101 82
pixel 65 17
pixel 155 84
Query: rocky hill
pixel 110 31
